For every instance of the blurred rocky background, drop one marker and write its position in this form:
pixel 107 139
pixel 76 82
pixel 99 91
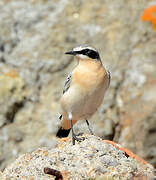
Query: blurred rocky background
pixel 35 34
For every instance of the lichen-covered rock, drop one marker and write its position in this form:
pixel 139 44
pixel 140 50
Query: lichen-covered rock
pixel 11 97
pixel 90 158
pixel 33 38
pixel 1 174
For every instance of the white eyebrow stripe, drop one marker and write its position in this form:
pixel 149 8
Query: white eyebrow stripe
pixel 80 48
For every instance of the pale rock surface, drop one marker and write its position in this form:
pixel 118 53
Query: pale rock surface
pixel 35 34
pixel 91 159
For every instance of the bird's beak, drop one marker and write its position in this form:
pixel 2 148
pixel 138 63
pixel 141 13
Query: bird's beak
pixel 71 53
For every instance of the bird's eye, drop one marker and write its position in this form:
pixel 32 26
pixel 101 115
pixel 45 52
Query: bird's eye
pixel 91 53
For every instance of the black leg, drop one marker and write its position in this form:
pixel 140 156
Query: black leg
pixel 91 132
pixel 74 136
pixel 73 139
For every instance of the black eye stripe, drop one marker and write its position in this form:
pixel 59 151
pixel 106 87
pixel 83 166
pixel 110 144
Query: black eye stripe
pixel 90 53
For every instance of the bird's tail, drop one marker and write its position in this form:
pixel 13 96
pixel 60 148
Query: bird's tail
pixel 61 133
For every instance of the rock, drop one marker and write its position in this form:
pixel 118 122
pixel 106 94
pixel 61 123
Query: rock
pixel 11 97
pixel 91 158
pixel 33 38
pixel 1 175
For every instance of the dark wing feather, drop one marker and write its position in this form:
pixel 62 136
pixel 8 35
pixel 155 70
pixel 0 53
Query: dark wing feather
pixel 109 78
pixel 67 82
pixel 60 117
pixel 66 87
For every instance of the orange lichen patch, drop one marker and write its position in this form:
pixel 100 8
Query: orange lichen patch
pixel 65 139
pixel 128 122
pixel 12 73
pixel 127 151
pixel 90 171
pixel 46 153
pixel 28 157
pixel 150 15
pixel 39 151
pixel 65 175
pixel 31 178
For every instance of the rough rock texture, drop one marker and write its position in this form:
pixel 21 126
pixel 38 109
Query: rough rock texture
pixel 33 38
pixel 91 158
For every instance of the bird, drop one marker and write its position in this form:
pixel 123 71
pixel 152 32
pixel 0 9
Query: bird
pixel 83 91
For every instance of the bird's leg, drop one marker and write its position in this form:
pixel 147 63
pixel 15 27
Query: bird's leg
pixel 91 132
pixel 74 137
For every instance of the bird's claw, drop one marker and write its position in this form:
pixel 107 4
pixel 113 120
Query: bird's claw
pixel 80 134
pixel 75 138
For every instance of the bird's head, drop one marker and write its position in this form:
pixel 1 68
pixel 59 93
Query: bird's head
pixel 85 53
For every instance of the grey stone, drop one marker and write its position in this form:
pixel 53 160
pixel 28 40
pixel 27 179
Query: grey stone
pixel 33 38
pixel 78 165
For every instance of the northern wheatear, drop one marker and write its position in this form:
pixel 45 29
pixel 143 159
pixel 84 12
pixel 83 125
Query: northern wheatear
pixel 84 89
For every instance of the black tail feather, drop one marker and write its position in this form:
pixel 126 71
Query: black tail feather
pixel 61 133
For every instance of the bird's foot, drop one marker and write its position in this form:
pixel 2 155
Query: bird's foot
pixel 75 138
pixel 91 132
pixel 80 134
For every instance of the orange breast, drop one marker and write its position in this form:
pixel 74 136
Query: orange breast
pixel 89 74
